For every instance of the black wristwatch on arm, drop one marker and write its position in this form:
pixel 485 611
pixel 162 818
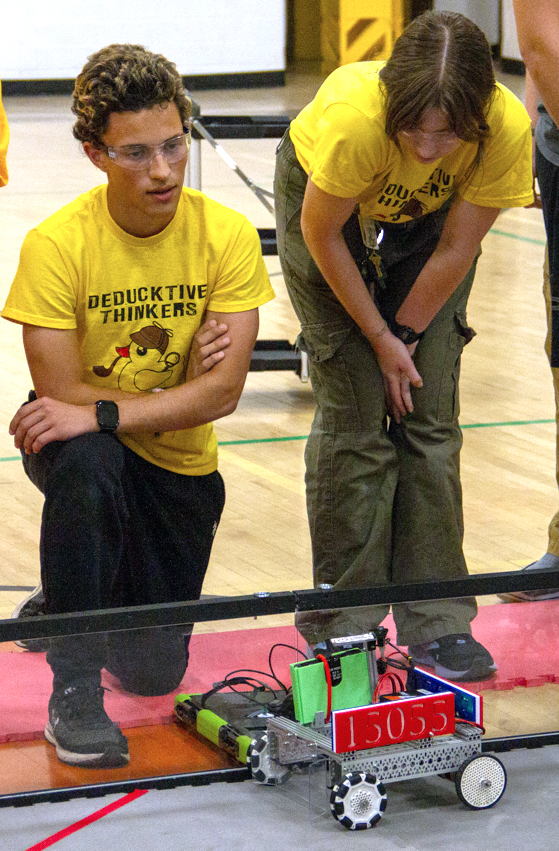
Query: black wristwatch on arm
pixel 404 333
pixel 107 416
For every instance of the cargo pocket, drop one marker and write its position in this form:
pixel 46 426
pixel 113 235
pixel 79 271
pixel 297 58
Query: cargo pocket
pixel 449 397
pixel 345 376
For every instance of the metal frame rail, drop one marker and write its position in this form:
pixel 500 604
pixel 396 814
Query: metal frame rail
pixel 257 605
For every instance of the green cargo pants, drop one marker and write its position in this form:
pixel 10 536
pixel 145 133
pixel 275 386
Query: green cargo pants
pixel 384 500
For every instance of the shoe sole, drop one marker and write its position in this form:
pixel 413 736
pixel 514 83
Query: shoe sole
pixel 529 596
pixel 18 608
pixel 34 645
pixel 112 757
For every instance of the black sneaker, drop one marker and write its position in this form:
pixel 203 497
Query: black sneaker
pixel 81 730
pixel 31 607
pixel 455 657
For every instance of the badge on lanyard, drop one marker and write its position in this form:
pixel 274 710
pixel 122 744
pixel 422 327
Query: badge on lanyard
pixel 370 237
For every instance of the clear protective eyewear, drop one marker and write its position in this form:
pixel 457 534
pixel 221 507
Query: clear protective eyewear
pixel 420 136
pixel 138 157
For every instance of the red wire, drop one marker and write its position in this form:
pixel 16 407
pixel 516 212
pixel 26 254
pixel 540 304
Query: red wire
pixel 328 685
pixel 395 681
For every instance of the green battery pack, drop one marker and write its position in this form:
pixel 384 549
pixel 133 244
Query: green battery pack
pixel 350 684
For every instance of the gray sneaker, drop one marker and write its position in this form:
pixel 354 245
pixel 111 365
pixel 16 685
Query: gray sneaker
pixel 459 658
pixel 529 596
pixel 81 730
pixel 31 607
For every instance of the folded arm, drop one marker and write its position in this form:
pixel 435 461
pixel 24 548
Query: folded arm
pixel 65 407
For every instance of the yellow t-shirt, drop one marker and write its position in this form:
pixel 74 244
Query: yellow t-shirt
pixel 340 138
pixel 4 139
pixel 136 303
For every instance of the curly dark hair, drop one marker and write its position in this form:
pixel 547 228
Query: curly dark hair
pixel 124 78
pixel 442 61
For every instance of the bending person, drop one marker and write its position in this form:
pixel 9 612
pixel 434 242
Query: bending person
pixel 385 186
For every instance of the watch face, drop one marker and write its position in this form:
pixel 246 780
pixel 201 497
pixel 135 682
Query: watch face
pixel 107 415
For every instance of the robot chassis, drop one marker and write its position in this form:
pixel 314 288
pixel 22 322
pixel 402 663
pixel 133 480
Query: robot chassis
pixel 356 779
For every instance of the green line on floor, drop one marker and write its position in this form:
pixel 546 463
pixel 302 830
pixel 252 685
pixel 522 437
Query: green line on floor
pixel 263 440
pixel 517 236
pixel 512 423
pixel 305 436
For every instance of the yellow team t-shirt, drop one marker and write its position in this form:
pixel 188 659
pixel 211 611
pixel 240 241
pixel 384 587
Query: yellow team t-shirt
pixel 136 303
pixel 4 139
pixel 340 139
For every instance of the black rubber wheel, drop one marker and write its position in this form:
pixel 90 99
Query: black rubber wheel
pixel 358 802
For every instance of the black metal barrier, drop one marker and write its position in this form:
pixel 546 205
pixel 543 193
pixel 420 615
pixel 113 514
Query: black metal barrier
pixel 241 126
pixel 258 605
pixel 264 603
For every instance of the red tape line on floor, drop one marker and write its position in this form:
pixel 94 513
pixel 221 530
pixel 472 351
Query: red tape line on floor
pixel 67 831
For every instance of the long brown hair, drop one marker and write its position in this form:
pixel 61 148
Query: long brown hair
pixel 442 61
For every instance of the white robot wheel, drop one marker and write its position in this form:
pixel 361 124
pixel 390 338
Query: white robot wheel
pixel 359 801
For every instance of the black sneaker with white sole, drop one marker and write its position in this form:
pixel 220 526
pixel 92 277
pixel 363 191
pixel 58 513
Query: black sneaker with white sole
pixel 32 606
pixel 81 730
pixel 455 657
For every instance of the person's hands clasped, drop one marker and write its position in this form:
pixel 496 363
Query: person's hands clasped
pixel 45 420
pixel 207 349
pixel 399 374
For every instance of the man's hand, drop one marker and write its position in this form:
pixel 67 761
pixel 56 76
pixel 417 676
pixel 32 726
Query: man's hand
pixel 208 348
pixel 44 420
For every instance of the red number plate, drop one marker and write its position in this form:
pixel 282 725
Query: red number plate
pixel 392 722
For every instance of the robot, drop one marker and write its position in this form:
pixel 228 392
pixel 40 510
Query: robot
pixel 339 713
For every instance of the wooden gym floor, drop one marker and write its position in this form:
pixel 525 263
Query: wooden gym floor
pixel 508 460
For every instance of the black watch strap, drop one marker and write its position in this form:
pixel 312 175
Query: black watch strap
pixel 107 416
pixel 406 334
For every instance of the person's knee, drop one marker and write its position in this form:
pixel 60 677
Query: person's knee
pixel 91 453
pixel 86 468
pixel 149 662
pixel 152 682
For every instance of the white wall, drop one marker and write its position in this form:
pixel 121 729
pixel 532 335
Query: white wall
pixel 509 39
pixel 51 39
pixel 484 13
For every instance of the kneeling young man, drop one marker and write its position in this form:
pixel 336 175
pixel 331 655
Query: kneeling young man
pixel 137 286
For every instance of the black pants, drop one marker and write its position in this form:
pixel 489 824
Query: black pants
pixel 119 531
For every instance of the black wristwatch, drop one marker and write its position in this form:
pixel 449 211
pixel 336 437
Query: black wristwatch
pixel 107 416
pixel 406 334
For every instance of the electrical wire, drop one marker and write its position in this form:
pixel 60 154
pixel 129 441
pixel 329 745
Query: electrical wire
pixel 230 680
pixel 396 682
pixel 289 647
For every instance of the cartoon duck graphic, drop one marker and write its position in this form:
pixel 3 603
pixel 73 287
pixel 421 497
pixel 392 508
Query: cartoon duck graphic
pixel 413 208
pixel 145 363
